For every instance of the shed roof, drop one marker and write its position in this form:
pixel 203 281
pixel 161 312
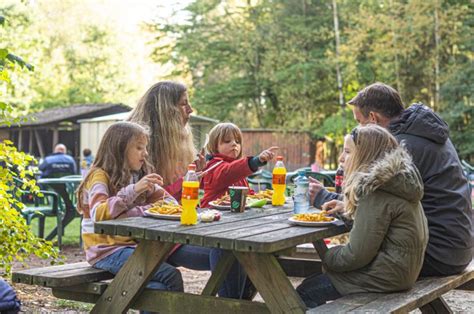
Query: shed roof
pixel 72 113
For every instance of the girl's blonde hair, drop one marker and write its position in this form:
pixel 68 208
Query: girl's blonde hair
pixel 371 143
pixel 111 157
pixel 219 133
pixel 171 146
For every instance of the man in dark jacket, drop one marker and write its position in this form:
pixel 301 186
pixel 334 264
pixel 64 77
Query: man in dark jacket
pixel 58 164
pixel 446 201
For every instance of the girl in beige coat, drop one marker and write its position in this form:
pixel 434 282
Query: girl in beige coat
pixel 382 194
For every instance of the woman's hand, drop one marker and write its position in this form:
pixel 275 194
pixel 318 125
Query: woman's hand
pixel 200 161
pixel 314 187
pixel 147 183
pixel 268 154
pixel 333 207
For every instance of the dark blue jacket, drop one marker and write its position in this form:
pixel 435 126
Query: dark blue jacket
pixel 57 164
pixel 9 303
pixel 447 200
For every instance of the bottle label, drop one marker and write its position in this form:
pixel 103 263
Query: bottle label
pixel 278 179
pixel 339 180
pixel 190 193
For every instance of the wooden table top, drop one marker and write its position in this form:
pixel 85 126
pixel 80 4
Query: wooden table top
pixel 264 230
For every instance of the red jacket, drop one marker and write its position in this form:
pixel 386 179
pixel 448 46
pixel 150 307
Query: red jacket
pixel 231 172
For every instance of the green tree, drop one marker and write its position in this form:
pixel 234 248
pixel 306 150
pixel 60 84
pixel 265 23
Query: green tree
pixel 17 240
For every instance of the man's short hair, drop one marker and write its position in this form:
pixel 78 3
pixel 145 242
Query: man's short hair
pixel 86 152
pixel 60 148
pixel 380 98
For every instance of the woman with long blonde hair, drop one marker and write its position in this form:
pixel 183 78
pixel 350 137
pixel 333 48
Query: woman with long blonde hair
pixel 165 110
pixel 382 193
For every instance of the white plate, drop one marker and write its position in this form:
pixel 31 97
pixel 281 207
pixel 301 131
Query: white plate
pixel 222 207
pixel 312 223
pixel 163 216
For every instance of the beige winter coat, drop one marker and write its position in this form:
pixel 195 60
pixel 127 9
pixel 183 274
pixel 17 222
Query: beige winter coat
pixel 389 235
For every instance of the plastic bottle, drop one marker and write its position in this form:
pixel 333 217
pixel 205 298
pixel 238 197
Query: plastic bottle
pixel 190 197
pixel 279 182
pixel 301 196
pixel 339 179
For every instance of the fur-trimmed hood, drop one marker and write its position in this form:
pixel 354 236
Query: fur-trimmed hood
pixel 394 174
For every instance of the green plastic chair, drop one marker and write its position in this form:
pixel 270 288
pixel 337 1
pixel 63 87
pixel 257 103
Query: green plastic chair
pixel 38 207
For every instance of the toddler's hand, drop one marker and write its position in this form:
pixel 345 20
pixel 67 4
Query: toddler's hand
pixel 147 183
pixel 314 187
pixel 200 161
pixel 268 154
pixel 333 207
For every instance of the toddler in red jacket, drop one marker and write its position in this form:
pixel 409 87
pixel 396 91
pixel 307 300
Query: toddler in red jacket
pixel 225 144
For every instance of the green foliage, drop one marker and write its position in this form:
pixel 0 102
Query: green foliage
pixel 16 238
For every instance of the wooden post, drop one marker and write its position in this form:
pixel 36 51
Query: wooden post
pixel 55 137
pixel 40 144
pixel 20 139
pixel 30 143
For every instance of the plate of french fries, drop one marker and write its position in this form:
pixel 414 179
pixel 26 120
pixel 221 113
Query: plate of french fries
pixel 223 202
pixel 314 219
pixel 165 210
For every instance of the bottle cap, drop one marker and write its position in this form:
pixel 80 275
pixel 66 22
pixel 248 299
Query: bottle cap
pixel 191 167
pixel 279 158
pixel 301 173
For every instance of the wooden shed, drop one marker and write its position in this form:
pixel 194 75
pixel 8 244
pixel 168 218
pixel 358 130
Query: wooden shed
pixel 43 130
pixel 298 148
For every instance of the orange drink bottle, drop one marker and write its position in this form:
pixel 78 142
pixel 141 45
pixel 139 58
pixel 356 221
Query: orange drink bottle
pixel 279 182
pixel 189 198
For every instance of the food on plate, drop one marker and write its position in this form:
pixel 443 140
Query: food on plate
pixel 223 200
pixel 265 194
pixel 313 217
pixel 210 215
pixel 166 208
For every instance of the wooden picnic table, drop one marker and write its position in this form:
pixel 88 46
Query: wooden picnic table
pixel 254 238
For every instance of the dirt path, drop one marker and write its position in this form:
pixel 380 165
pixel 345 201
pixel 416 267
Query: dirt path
pixel 38 299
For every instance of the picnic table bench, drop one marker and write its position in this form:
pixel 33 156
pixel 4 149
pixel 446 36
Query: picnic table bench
pixel 256 239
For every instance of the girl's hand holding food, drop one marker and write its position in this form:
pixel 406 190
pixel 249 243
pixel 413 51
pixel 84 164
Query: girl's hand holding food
pixel 333 207
pixel 314 187
pixel 147 183
pixel 200 161
pixel 268 154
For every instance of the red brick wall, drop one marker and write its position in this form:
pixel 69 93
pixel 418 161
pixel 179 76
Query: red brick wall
pixel 297 148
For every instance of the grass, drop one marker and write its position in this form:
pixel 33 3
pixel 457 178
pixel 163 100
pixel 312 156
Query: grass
pixel 73 305
pixel 71 233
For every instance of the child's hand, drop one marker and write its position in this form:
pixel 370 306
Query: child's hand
pixel 268 154
pixel 147 183
pixel 333 207
pixel 314 187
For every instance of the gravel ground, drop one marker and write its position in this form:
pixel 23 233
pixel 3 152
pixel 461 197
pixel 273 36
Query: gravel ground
pixel 39 299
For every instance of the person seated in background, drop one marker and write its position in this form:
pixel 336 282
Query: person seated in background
pixel 58 164
pixel 87 161
pixel 387 242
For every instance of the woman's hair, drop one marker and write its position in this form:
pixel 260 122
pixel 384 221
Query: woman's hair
pixel 219 133
pixel 171 146
pixel 111 158
pixel 371 143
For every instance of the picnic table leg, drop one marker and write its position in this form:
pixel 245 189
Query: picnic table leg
pixel 133 277
pixel 438 306
pixel 219 274
pixel 271 282
pixel 320 247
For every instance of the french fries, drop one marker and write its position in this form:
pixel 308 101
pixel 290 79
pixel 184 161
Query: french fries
pixel 265 194
pixel 223 200
pixel 313 217
pixel 165 208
